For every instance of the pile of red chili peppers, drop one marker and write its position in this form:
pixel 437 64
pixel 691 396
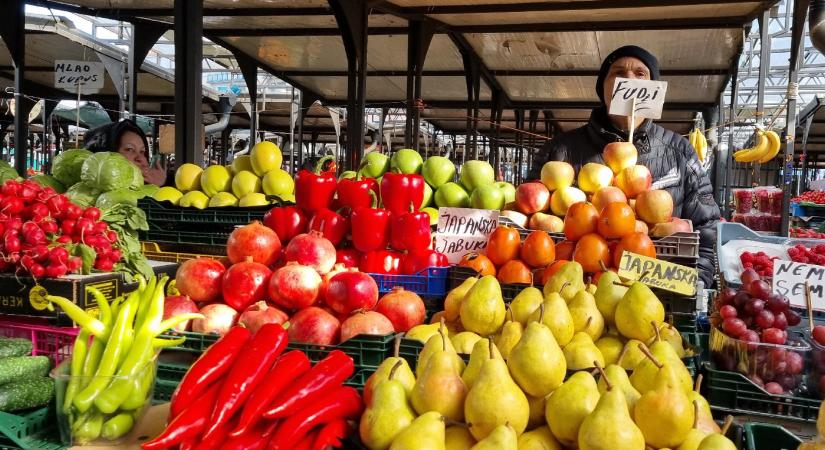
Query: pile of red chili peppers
pixel 244 394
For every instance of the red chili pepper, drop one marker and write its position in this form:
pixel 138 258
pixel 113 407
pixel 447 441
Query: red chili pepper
pixel 343 402
pixel 211 366
pixel 289 367
pixel 325 376
pixel 399 191
pixel 410 231
pixel 254 363
pixel 287 221
pixel 349 257
pixel 370 229
pixel 306 442
pixel 416 261
pixel 255 439
pixel 330 435
pixel 357 193
pixel 381 261
pixel 215 438
pixel 331 224
pixel 315 190
pixel 189 444
pixel 188 424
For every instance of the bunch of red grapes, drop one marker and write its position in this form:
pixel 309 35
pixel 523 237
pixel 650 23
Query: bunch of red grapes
pixel 814 255
pixel 760 262
pixel 818 358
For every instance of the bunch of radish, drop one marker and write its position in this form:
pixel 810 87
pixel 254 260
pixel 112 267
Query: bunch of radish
pixel 42 231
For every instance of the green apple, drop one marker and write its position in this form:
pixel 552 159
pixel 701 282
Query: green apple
pixel 253 199
pixel 375 164
pixel 452 195
pixel 188 177
pixel 407 161
pixel 508 190
pixel 222 199
pixel 245 182
pixel 438 170
pixel 487 197
pixel 243 162
pixel 433 215
pixel 348 175
pixel 265 156
pixel 476 173
pixel 277 182
pixel 194 199
pixel 169 194
pixel 215 179
pixel 428 196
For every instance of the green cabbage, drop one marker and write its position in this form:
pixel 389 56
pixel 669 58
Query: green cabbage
pixel 137 178
pixel 7 173
pixel 147 190
pixel 107 171
pixel 108 199
pixel 66 165
pixel 49 181
pixel 82 194
pixel 3 163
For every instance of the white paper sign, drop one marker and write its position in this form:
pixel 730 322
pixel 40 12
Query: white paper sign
pixel 649 95
pixel 463 230
pixel 68 74
pixel 789 280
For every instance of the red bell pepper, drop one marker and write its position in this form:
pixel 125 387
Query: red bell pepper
pixel 381 261
pixel 410 231
pixel 312 386
pixel 332 225
pixel 254 362
pixel 342 402
pixel 414 262
pixel 357 193
pixel 211 366
pixel 188 424
pixel 287 221
pixel 349 257
pixel 370 229
pixel 400 192
pixel 330 435
pixel 315 190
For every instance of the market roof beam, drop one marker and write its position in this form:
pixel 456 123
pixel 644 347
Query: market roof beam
pixel 241 32
pixel 559 6
pixel 496 72
pixel 521 104
pixel 706 23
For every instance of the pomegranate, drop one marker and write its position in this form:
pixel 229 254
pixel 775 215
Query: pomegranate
pixel 258 314
pixel 365 322
pixel 245 283
pixel 179 304
pixel 312 249
pixel 294 286
pixel 403 308
pixel 336 269
pixel 314 325
pixel 218 319
pixel 200 279
pixel 351 290
pixel 255 240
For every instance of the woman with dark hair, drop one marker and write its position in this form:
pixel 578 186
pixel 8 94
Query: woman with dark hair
pixel 126 138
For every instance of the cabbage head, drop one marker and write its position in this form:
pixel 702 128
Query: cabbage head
pixel 108 171
pixel 7 173
pixel 108 199
pixel 137 178
pixel 147 190
pixel 66 165
pixel 49 181
pixel 82 194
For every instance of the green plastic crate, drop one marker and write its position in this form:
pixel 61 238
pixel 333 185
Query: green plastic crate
pixel 163 390
pixel 30 430
pixel 763 436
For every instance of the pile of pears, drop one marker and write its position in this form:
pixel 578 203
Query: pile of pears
pixel 549 372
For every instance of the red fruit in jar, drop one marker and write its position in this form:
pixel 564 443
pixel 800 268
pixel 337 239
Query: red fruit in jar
pixel 179 304
pixel 403 308
pixel 312 249
pixel 765 319
pixel 245 283
pixel 727 311
pixel 819 334
pixel 218 319
pixel 773 336
pixel 200 279
pixel 779 321
pixel 314 325
pixel 258 314
pixel 365 322
pixel 254 240
pixel 351 290
pixel 750 336
pixel 795 363
pixel 774 388
pixel 733 327
pixel 349 257
pixel 294 286
pixel 748 276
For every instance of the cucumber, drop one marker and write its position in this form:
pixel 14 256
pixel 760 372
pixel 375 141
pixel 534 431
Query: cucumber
pixel 26 394
pixel 15 347
pixel 15 368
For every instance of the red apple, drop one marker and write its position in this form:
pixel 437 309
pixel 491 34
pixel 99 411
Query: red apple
pixel 314 325
pixel 179 304
pixel 532 197
pixel 667 228
pixel 365 322
pixel 654 206
pixel 200 279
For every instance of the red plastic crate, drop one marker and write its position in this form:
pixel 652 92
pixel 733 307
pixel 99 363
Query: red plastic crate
pixel 47 340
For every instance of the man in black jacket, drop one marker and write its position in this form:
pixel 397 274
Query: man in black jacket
pixel 669 157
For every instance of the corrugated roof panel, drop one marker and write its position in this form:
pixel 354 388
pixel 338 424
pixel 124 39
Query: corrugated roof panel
pixel 448 88
pixel 378 88
pixel 680 88
pixel 425 3
pixel 277 22
pixel 295 52
pixel 108 4
pixel 442 54
pixel 387 52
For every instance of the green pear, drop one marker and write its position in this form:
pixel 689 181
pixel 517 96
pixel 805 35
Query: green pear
pixel 611 348
pixel 424 433
pixel 482 351
pixel 568 281
pixel 452 303
pixel 609 426
pixel 494 400
pixel 586 316
pixel 503 437
pixel 458 437
pixel 482 310
pixel 436 344
pixel 581 352
pixel 635 312
pixel 539 439
pixel 403 373
pixel 387 415
pixel 464 341
pixel 537 362
pixel 664 413
pixel 439 387
pixel 632 354
pixel 526 303
pixel 556 317
pixel 608 294
pixel 508 338
pixel 619 380
pixel 716 441
pixel 569 405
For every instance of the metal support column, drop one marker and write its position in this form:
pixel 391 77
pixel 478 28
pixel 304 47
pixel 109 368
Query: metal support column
pixel 13 32
pixel 727 161
pixel 418 43
pixel 189 83
pixel 249 70
pixel 144 36
pixel 764 67
pixel 495 130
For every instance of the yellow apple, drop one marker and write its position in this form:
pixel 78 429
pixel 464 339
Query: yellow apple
pixel 654 206
pixel 593 177
pixel 557 175
pixel 634 180
pixel 563 198
pixel 607 195
pixel 517 217
pixel 546 222
pixel 620 155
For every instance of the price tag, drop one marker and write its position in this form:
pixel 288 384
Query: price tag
pixel 73 75
pixel 463 230
pixel 659 274
pixel 789 280
pixel 648 94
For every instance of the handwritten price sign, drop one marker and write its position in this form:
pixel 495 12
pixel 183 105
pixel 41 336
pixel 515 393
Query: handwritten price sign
pixel 463 230
pixel 649 97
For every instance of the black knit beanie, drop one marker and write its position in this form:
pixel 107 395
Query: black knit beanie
pixel 628 50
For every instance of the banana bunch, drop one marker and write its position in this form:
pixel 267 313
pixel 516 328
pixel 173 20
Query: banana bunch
pixel 766 148
pixel 699 143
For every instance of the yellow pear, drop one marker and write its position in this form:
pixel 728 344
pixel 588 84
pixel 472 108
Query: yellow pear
pixel 482 310
pixel 704 419
pixel 608 294
pixel 611 348
pixel 422 333
pixel 635 312
pixel 503 437
pixel 632 354
pixel 539 439
pixel 452 303
pixel 671 335
pixel 695 436
pixel 435 345
pixel 591 288
pixel 556 317
pixel 440 387
pixel 664 413
pixel 388 414
pixel 458 437
pixel 586 317
pixel 403 373
pixel 526 302
pixel 644 373
pixel 537 405
pixel 581 352
pixel 425 433
pixel 567 281
pixel 567 406
pixel 718 441
pixel 508 338
pixel 618 378
pixel 464 341
pixel 480 354
pixel 537 362
pixel 609 426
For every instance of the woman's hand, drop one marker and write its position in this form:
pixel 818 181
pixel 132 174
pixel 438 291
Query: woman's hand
pixel 156 174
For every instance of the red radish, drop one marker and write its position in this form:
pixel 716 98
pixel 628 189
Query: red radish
pixel 313 325
pixel 200 279
pixel 294 286
pixel 245 283
pixel 218 319
pixel 179 304
pixel 92 213
pixel 258 314
pixel 403 308
pixel 312 249
pixel 365 322
pixel 351 290
pixel 256 241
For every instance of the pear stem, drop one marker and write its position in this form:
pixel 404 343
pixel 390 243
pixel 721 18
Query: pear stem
pixel 695 414
pixel 603 375
pixel 397 345
pixel 443 335
pixel 563 286
pixel 621 355
pixel 727 424
pixel 510 310
pixel 490 345
pixel 587 324
pixel 394 368
pixel 647 353
pixel 698 383
pixel 618 283
pixel 603 266
pixel 541 313
pixel 656 330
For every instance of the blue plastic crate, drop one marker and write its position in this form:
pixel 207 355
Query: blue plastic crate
pixel 429 282
pixel 807 210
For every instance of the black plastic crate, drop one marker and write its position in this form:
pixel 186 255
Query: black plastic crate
pixel 763 436
pixel 166 214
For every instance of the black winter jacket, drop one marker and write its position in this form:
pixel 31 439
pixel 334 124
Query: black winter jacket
pixel 672 163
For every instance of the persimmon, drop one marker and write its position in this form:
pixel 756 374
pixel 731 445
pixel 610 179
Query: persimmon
pixel 478 262
pixel 515 271
pixel 503 245
pixel 538 249
pixel 638 243
pixel 616 221
pixel 544 274
pixel 564 250
pixel 581 218
pixel 591 252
